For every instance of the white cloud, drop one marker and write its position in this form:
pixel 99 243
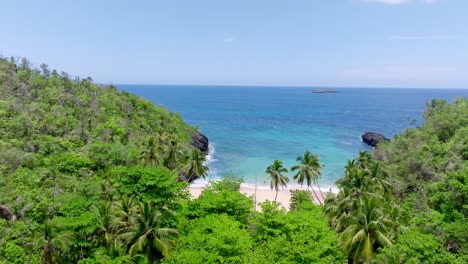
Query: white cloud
pixel 399 73
pixel 229 39
pixel 388 2
pixel 398 2
pixel 422 37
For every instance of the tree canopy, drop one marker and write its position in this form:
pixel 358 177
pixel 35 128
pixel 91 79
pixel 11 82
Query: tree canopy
pixel 90 174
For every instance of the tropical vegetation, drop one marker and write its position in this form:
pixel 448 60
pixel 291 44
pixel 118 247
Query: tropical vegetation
pixel 90 174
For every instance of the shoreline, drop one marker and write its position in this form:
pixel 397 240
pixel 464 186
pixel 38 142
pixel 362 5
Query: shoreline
pixel 263 193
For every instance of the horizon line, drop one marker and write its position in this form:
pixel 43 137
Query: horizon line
pixel 288 86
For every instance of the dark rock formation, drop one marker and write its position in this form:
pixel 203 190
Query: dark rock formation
pixel 6 212
pixel 200 142
pixel 373 139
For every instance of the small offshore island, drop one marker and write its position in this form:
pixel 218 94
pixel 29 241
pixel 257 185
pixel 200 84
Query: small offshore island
pixel 92 174
pixel 325 91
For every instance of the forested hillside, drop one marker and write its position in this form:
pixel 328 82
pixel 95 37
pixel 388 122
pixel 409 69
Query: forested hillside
pixel 428 168
pixel 67 147
pixel 407 203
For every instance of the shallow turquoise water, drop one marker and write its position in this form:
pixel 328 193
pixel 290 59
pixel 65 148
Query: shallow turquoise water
pixel 249 127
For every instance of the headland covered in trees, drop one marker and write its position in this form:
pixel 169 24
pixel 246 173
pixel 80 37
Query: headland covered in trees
pixel 91 174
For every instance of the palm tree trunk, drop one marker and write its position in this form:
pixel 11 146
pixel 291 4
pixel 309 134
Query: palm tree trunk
pixel 316 197
pixel 276 196
pixel 321 193
pixel 47 254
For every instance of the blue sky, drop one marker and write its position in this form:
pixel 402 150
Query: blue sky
pixel 363 43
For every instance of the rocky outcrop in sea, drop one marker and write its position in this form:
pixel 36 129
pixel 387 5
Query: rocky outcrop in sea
pixel 373 139
pixel 200 142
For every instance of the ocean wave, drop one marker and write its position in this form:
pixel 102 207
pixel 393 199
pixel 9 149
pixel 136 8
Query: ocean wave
pixel 211 152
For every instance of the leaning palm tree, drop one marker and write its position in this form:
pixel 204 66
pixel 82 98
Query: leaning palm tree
pixel 52 242
pixel 275 173
pixel 308 170
pixel 368 229
pixel 196 166
pixel 146 236
pixel 149 154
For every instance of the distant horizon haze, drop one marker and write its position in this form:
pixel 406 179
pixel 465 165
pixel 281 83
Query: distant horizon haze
pixel 346 43
pixel 165 85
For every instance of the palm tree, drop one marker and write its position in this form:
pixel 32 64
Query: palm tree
pixel 146 236
pixel 275 173
pixel 196 166
pixel 378 177
pixel 398 217
pixel 364 159
pixel 107 190
pixel 161 138
pixel 355 187
pixel 368 229
pixel 308 170
pixel 52 243
pixel 123 211
pixel 117 248
pixel 174 155
pixel 149 154
pixel 105 216
pixel 350 165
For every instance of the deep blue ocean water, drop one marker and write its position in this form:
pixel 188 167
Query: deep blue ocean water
pixel 250 127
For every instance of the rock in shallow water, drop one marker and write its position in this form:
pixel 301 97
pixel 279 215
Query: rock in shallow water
pixel 200 142
pixel 373 139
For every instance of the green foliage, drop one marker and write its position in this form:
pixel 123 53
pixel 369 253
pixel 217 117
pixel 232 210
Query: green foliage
pixel 221 227
pixel 68 146
pixel 228 183
pixel 158 185
pixel 221 198
pixel 415 247
pixel 299 236
pixel 422 173
pixel 52 241
pixel 363 212
pixel 450 195
pixel 300 200
pixel 214 239
pixel 146 234
pixel 90 174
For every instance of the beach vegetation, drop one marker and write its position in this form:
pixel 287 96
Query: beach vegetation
pixel 309 170
pixel 275 173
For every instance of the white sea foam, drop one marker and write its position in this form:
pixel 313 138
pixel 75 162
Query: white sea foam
pixel 210 157
pixel 200 183
pixel 294 186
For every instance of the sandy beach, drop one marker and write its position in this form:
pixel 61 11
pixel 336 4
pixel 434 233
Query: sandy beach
pixel 264 193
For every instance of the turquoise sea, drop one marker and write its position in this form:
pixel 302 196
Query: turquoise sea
pixel 249 127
